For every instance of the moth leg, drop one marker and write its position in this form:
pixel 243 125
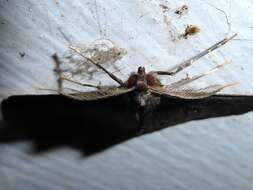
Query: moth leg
pixel 190 61
pixel 114 77
pixel 196 77
pixel 81 84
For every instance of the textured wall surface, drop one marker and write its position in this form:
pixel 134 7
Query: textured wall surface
pixel 207 154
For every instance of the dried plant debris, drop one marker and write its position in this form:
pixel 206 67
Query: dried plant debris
pixel 102 51
pixel 190 30
pixel 167 20
pixel 170 22
pixel 181 10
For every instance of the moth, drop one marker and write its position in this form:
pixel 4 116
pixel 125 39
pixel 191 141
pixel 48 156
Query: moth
pixel 147 84
pixel 95 120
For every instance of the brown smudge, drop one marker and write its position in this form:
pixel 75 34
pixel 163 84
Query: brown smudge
pixel 182 10
pixel 190 30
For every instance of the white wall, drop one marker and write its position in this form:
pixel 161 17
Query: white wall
pixel 208 154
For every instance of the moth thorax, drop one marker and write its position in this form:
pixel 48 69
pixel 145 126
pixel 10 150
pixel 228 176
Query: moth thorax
pixel 141 85
pixel 146 99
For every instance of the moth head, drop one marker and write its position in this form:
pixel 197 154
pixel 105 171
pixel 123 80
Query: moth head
pixel 141 70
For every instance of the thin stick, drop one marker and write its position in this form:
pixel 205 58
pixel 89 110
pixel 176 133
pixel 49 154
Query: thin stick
pixel 118 80
pixel 190 61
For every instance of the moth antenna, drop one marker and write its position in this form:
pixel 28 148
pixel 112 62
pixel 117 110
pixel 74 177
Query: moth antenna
pixel 47 89
pixel 79 83
pixel 115 78
pixel 53 90
pixel 193 59
pixel 191 79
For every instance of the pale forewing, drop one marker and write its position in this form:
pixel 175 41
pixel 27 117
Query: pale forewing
pixel 189 93
pixel 104 92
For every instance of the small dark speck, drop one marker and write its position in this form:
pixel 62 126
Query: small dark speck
pixel 242 68
pixel 2 22
pixel 22 54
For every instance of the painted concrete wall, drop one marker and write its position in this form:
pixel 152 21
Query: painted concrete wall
pixel 208 154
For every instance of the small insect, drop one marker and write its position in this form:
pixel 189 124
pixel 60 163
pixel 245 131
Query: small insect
pixel 147 84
